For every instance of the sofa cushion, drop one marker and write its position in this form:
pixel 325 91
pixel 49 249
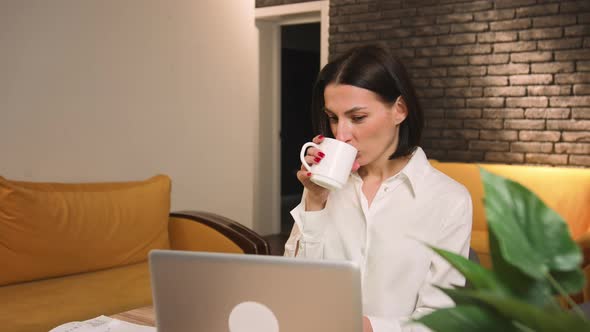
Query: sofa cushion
pixel 565 190
pixel 55 229
pixel 44 304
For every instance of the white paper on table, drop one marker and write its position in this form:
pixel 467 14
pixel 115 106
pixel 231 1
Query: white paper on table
pixel 102 324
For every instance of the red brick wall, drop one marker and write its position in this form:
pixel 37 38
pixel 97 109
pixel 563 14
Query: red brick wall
pixel 503 81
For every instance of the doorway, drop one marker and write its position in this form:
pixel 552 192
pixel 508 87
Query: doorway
pixel 300 63
pixel 268 172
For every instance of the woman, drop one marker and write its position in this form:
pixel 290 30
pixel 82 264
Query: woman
pixel 394 202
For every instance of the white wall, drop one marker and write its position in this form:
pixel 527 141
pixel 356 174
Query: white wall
pixel 109 90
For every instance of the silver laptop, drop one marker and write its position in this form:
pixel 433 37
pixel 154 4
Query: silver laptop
pixel 212 292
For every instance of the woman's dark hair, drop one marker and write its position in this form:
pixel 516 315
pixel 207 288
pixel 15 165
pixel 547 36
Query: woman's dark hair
pixel 374 68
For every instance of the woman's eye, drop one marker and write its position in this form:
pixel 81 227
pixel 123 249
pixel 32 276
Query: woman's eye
pixel 358 118
pixel 332 119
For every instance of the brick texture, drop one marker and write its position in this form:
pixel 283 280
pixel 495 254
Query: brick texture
pixel 503 81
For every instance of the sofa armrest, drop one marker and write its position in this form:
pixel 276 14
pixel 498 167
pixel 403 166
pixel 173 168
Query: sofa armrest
pixel 206 231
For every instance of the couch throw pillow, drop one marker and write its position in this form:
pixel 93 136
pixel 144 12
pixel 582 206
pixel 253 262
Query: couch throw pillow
pixel 56 229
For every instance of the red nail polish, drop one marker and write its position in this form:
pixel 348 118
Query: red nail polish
pixel 309 174
pixel 321 154
pixel 317 160
pixel 321 136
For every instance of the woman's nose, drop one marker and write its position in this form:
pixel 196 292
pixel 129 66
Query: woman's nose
pixel 343 132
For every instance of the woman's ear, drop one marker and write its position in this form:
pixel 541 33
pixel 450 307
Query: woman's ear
pixel 400 110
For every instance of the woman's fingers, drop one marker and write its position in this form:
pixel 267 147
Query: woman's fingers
pixel 311 151
pixel 314 156
pixel 310 160
pixel 315 152
pixel 318 139
pixel 304 176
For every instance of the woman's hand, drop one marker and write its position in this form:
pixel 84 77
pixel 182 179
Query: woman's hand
pixel 317 196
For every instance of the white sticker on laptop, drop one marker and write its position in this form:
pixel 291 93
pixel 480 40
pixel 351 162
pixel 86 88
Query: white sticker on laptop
pixel 252 317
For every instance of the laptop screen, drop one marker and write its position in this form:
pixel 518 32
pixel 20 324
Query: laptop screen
pixel 197 291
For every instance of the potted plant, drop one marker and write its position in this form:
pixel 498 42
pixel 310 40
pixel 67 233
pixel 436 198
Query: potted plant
pixel 534 259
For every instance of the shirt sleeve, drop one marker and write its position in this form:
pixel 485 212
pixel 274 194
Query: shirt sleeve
pixel 455 237
pixel 306 239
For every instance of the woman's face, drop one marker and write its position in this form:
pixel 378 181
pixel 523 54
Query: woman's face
pixel 359 117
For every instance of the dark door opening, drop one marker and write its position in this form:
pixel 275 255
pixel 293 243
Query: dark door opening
pixel 300 64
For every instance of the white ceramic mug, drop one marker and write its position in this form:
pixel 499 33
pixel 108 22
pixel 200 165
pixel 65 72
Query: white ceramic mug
pixel 333 171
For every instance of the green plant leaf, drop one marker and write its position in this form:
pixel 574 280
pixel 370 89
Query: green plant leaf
pixel 531 236
pixel 549 319
pixel 571 281
pixel 533 258
pixel 467 318
pixel 479 277
pixel 461 300
pixel 532 290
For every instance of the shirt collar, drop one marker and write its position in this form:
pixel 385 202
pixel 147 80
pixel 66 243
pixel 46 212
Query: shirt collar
pixel 413 171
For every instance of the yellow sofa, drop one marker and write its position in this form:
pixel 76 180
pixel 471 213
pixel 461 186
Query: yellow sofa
pixel 75 251
pixel 565 190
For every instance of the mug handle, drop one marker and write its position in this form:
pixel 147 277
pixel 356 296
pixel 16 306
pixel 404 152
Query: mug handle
pixel 302 154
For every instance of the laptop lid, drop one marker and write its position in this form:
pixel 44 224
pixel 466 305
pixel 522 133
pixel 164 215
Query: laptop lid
pixel 213 292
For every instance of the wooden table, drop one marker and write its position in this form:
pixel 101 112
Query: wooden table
pixel 142 316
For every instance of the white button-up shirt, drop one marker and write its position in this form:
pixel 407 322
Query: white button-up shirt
pixel 418 206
